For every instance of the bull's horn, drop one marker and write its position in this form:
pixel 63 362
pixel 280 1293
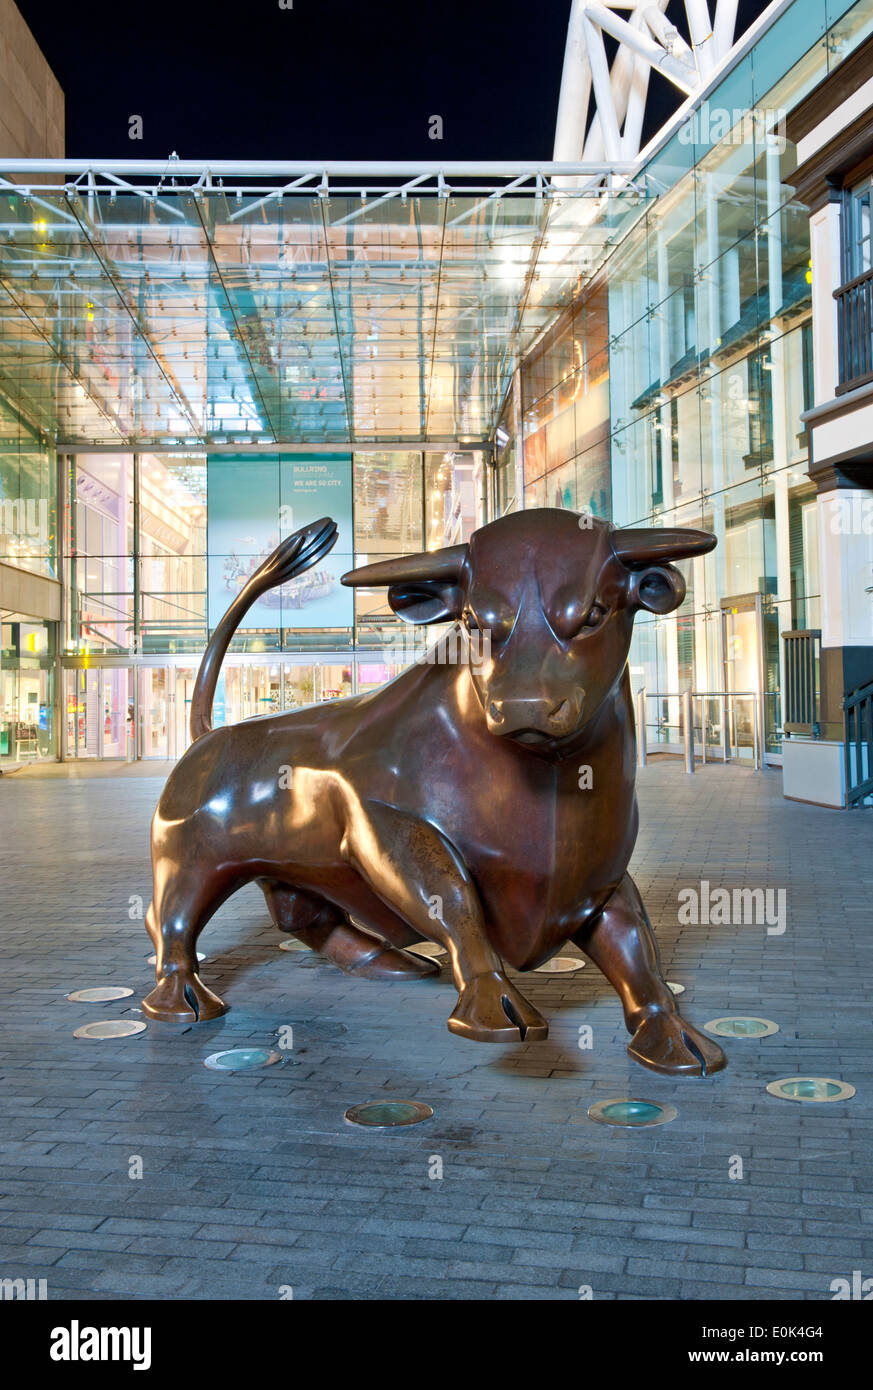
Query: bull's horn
pixel 442 566
pixel 658 545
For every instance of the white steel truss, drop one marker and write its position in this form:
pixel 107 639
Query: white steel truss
pixel 647 41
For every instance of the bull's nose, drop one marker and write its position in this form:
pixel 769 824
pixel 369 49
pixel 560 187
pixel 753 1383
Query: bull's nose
pixel 549 718
pixel 565 716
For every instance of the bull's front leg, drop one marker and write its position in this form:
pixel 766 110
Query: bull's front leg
pixel 422 877
pixel 621 942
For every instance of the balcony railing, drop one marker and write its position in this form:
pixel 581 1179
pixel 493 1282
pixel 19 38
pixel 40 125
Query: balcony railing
pixel 802 695
pixel 855 332
pixel 858 705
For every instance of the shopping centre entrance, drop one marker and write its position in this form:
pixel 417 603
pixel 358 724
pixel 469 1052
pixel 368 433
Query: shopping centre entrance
pixel 118 710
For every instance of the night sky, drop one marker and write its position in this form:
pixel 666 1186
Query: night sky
pixel 327 79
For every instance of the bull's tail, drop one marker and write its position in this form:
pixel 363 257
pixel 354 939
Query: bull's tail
pixel 296 554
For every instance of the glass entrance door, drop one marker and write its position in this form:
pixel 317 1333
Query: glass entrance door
pixel 154 712
pixel 251 690
pixel 82 704
pixel 741 647
pixel 116 711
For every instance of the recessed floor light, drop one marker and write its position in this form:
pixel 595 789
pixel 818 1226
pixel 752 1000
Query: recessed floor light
pixel 741 1026
pixel 388 1114
pixel 560 965
pixel 631 1112
pixel 100 995
pixel 110 1028
pixel 431 950
pixel 242 1059
pixel 810 1088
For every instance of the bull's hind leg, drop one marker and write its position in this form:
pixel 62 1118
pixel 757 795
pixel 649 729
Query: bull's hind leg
pixel 183 902
pixel 621 942
pixel 326 929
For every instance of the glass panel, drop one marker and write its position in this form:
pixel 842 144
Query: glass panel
pixel 388 504
pixel 450 498
pixel 336 681
pixel 299 686
pixel 185 677
pixel 28 496
pixel 154 712
pixel 116 687
pixel 83 713
pixel 372 674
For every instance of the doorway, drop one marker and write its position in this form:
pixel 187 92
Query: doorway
pixel 99 708
pixel 750 658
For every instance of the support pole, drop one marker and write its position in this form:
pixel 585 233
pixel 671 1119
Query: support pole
pixel 641 727
pixel 688 730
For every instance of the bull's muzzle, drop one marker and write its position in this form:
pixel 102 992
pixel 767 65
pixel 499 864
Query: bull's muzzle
pixel 533 720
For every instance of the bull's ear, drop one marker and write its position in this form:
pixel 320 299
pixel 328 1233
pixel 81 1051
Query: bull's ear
pixel 658 588
pixel 426 603
pixel 424 588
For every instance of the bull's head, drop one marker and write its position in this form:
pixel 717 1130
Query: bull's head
pixel 556 595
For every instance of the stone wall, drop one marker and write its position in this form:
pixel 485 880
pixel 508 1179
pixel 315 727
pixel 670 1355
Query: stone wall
pixel 31 99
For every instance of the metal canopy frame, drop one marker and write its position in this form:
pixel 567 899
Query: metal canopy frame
pixel 276 178
pixel 158 304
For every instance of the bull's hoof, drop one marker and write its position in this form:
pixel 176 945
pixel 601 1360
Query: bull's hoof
pixel 490 1009
pixel 182 998
pixel 666 1043
pixel 389 964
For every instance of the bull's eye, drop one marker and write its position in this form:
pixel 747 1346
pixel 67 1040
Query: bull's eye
pixel 595 615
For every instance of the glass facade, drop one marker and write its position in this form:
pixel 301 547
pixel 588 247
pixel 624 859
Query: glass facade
pixel 671 392
pixel 28 541
pixel 139 569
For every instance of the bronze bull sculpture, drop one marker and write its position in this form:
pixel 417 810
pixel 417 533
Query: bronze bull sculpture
pixel 485 803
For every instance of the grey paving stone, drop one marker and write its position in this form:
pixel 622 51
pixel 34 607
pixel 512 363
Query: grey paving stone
pixel 250 1183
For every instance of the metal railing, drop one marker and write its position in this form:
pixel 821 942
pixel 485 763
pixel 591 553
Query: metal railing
pixel 855 331
pixel 802 709
pixel 726 701
pixel 858 707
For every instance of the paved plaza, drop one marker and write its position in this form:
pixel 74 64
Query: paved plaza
pixel 254 1184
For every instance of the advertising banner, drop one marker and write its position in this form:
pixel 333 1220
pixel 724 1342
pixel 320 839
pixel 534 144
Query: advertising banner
pixel 252 504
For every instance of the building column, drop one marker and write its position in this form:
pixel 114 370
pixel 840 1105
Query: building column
pixel 845 529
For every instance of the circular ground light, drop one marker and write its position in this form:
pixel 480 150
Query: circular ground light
pixel 813 1088
pixel 631 1113
pixel 292 945
pixel 153 960
pixel 99 996
pixel 388 1114
pixel 676 989
pixel 242 1059
pixel 560 965
pixel 429 949
pixel 741 1026
pixel 110 1028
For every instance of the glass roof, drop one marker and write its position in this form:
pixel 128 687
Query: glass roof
pixel 200 315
